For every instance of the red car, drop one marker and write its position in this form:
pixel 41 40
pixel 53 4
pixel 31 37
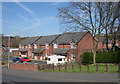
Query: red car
pixel 25 59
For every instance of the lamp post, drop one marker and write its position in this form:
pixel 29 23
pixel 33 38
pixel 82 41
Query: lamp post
pixel 8 50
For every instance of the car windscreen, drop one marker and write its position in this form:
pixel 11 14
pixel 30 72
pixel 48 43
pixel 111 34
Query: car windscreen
pixel 25 58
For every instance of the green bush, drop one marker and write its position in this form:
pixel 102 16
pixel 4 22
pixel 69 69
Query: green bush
pixel 87 58
pixel 106 57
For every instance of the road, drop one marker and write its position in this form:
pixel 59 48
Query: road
pixel 31 76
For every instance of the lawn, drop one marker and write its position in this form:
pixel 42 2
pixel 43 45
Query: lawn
pixel 112 68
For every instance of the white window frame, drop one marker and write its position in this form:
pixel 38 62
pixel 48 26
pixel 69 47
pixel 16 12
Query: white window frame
pixel 109 44
pixel 55 45
pixel 47 46
pixel 73 46
pixel 73 55
pixel 29 46
pixel 22 47
pixel 29 53
pixel 26 46
pixel 35 46
pixel 117 44
pixel 19 46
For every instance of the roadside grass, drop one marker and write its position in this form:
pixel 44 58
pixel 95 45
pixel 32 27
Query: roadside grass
pixel 10 56
pixel 5 62
pixel 32 60
pixel 112 68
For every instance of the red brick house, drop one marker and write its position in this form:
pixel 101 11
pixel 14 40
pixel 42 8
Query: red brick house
pixel 103 42
pixel 70 45
pixel 26 47
pixel 43 46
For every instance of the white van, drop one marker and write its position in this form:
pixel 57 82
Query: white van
pixel 56 59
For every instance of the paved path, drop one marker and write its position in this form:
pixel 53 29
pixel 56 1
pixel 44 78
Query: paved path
pixel 30 76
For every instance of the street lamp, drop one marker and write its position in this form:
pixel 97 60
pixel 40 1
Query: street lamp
pixel 8 50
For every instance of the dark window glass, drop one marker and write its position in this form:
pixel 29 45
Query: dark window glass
pixel 48 59
pixel 60 59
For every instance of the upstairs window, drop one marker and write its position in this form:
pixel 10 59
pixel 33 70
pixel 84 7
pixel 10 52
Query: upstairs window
pixel 19 46
pixel 55 45
pixel 35 46
pixel 26 46
pixel 23 47
pixel 47 46
pixel 72 46
pixel 29 46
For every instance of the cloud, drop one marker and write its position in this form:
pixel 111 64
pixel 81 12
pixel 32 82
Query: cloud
pixel 24 18
pixel 55 3
pixel 24 7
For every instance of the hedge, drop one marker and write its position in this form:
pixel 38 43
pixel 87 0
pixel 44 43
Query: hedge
pixel 87 58
pixel 106 57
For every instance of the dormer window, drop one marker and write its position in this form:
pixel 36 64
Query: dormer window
pixel 29 46
pixel 47 46
pixel 55 45
pixel 35 46
pixel 19 46
pixel 72 46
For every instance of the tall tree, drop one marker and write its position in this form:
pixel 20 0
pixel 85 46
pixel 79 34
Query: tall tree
pixel 81 16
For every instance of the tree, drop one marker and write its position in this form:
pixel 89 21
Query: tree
pixel 81 16
pixel 110 23
pixel 15 41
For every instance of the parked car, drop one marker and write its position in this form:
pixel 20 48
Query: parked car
pixel 26 59
pixel 17 59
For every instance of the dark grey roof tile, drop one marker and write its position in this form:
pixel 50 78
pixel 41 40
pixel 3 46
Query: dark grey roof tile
pixel 61 50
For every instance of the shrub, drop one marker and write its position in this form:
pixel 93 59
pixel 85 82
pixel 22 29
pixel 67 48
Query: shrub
pixel 105 57
pixel 108 57
pixel 87 58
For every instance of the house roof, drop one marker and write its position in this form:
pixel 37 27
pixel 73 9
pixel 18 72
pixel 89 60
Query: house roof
pixel 30 40
pixel 23 50
pixel 103 40
pixel 61 50
pixel 68 37
pixel 46 39
pixel 38 50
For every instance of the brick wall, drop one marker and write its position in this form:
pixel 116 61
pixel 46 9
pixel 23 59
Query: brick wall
pixel 86 43
pixel 24 66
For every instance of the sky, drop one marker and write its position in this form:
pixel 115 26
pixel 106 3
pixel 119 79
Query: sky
pixel 31 18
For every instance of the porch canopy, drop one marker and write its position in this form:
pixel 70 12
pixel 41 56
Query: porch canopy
pixel 38 50
pixel 23 50
pixel 61 51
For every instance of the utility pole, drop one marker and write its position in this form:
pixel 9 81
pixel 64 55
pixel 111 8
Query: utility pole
pixel 8 50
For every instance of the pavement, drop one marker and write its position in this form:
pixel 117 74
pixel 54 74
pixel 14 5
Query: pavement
pixel 39 76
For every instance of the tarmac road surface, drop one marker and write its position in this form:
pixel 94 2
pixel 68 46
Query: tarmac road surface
pixel 31 76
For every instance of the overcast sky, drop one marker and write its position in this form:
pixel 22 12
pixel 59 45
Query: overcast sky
pixel 30 18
